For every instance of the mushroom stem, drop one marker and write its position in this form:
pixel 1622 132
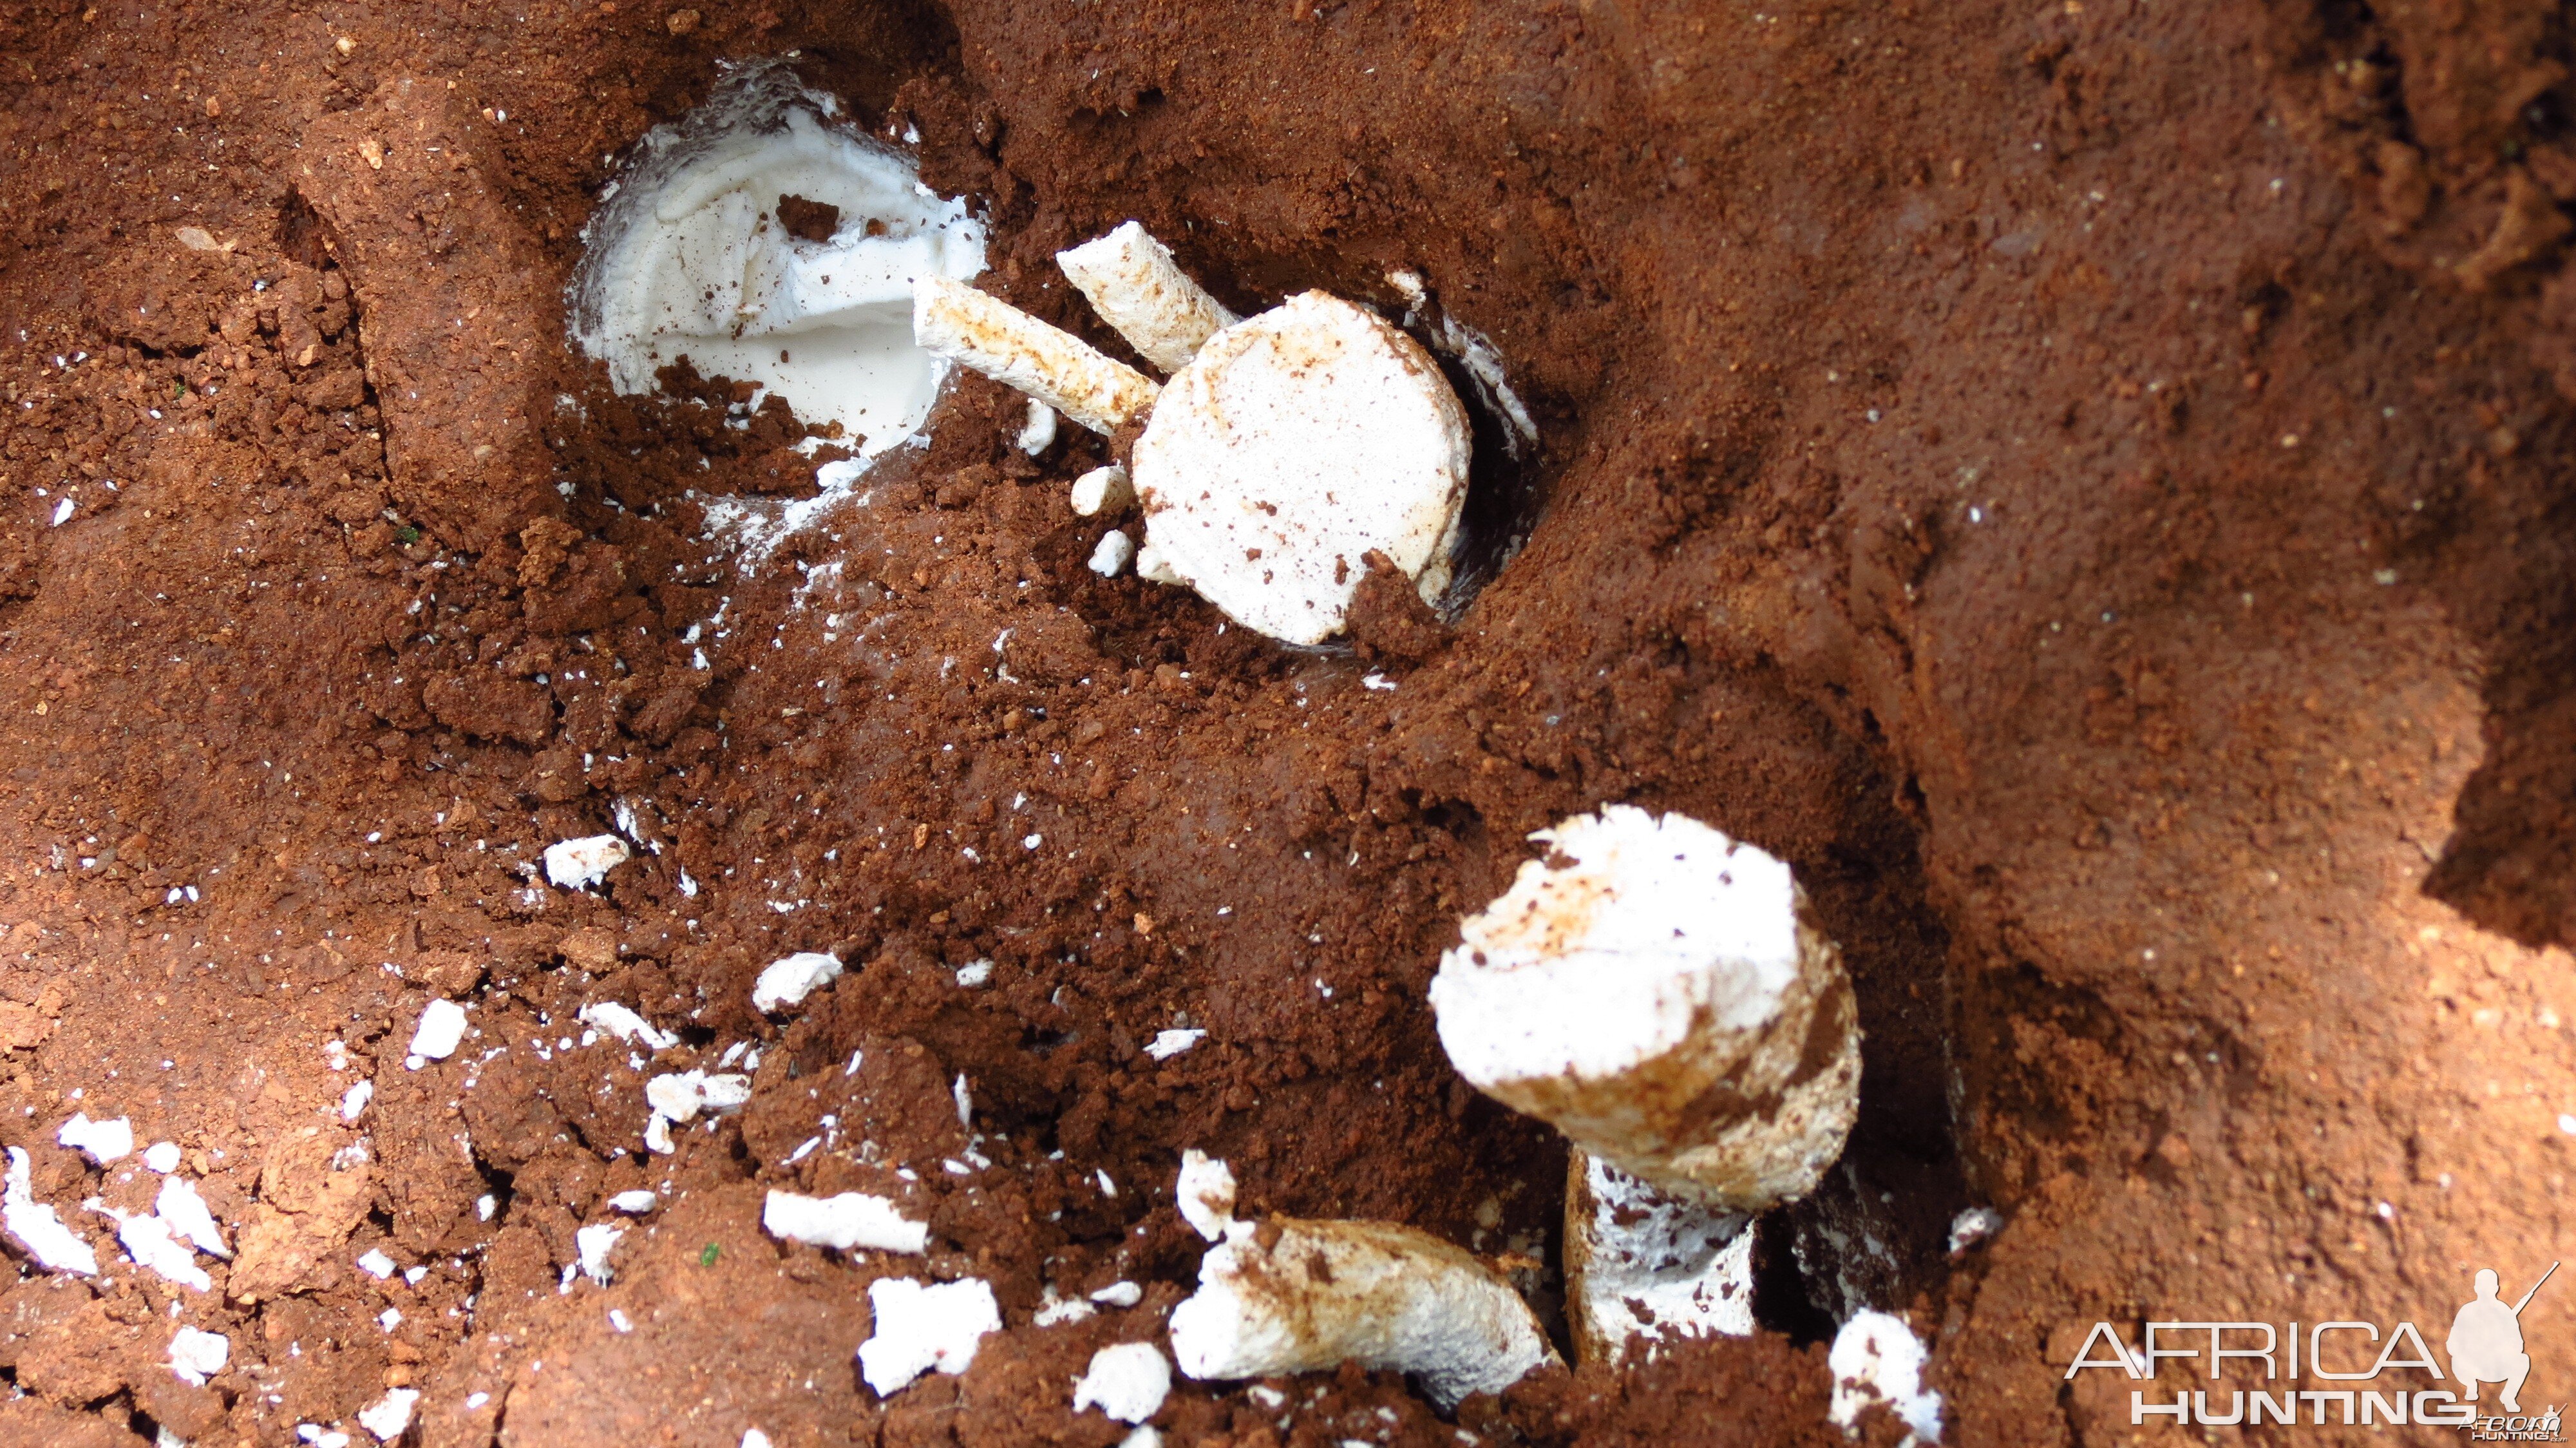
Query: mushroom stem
pixel 1644 1265
pixel 1013 348
pixel 1296 1297
pixel 1136 287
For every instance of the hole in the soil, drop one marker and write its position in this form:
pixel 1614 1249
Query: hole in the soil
pixel 767 243
pixel 303 237
pixel 1780 1299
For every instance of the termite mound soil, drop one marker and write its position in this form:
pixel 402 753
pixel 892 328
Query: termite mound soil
pixel 2086 485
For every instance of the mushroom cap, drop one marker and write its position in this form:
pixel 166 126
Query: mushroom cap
pixel 1656 991
pixel 1292 445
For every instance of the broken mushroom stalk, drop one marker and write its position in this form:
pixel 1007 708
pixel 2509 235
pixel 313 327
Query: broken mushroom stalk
pixel 1659 993
pixel 1285 1296
pixel 1283 449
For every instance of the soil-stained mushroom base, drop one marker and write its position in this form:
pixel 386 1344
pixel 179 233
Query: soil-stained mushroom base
pixel 2084 485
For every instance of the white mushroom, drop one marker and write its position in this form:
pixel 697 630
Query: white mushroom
pixel 1284 450
pixel 1659 993
pixel 692 255
pixel 1295 1296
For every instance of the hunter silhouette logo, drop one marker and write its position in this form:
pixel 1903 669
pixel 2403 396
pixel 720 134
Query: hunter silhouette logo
pixel 2486 1340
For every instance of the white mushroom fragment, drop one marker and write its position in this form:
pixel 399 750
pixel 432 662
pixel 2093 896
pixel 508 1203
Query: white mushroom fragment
pixel 1285 449
pixel 626 1025
pixel 1659 993
pixel 55 1247
pixel 441 1030
pixel 769 245
pixel 1321 1294
pixel 846 1222
pixel 1128 1382
pixel 918 1327
pixel 101 1141
pixel 1111 557
pixel 582 863
pixel 1136 287
pixel 788 980
pixel 389 1417
pixel 1877 1359
pixel 1290 1296
pixel 1011 347
pixel 196 1355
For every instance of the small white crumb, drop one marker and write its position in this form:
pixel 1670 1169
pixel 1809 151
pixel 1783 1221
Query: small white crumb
pixel 975 974
pixel 1108 1188
pixel 965 1101
pixel 1973 1226
pixel 353 1102
pixel 376 1264
pixel 1038 433
pixel 593 1244
pixel 1113 553
pixel 1128 1382
pixel 1377 682
pixel 918 1327
pixel 679 1096
pixel 1877 1359
pixel 162 1157
pixel 623 1023
pixel 389 1319
pixel 101 1141
pixel 634 1204
pixel 412 1275
pixel 390 1416
pixel 196 238
pixel 1119 1294
pixel 54 1246
pixel 1103 490
pixel 485 1206
pixel 788 981
pixel 2567 1123
pixel 63 512
pixel 754 1438
pixel 1206 1194
pixel 582 863
pixel 850 1220
pixel 1167 1044
pixel 619 1321
pixel 442 1026
pixel 196 1356
pixel 1054 1310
